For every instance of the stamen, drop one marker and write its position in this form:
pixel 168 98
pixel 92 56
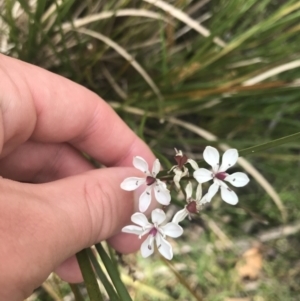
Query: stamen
pixel 181 160
pixel 192 207
pixel 153 231
pixel 221 175
pixel 150 180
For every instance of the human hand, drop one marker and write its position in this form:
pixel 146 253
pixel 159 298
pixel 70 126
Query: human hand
pixel 46 121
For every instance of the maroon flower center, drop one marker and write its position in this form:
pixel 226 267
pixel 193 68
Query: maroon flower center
pixel 150 180
pixel 153 231
pixel 221 175
pixel 181 160
pixel 192 207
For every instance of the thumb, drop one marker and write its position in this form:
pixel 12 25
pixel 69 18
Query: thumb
pixel 92 203
pixel 44 224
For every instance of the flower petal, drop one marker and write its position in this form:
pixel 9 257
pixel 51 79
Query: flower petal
pixel 193 164
pixel 164 248
pixel 172 229
pixel 141 164
pixel 132 183
pixel 199 192
pixel 206 199
pixel 229 196
pixel 140 219
pixel 203 175
pixel 158 216
pixel 155 168
pixel 189 190
pixel 163 184
pixel 177 177
pixel 162 194
pixel 212 157
pixel 147 247
pixel 238 179
pixel 212 190
pixel 180 216
pixel 145 199
pixel 133 230
pixel 229 159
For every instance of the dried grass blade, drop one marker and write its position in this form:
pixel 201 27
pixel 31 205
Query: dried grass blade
pixel 108 14
pixel 52 9
pixel 279 232
pixel 183 17
pixel 132 110
pixel 224 241
pixel 146 289
pixel 272 72
pixel 124 54
pixel 113 83
pixel 51 291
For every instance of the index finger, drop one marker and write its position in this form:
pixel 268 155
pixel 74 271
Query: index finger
pixel 39 105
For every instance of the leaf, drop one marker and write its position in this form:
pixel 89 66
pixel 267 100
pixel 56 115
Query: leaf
pixel 250 265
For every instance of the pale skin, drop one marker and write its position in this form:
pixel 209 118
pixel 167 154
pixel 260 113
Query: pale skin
pixel 53 203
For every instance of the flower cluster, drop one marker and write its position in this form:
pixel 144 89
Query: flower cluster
pixel 159 228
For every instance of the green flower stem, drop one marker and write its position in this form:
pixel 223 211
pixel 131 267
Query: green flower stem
pixel 113 273
pixel 89 276
pixel 109 288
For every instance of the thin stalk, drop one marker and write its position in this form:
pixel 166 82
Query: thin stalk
pixel 113 273
pixel 182 280
pixel 271 144
pixel 89 276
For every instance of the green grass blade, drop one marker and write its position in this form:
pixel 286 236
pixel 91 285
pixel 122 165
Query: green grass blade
pixel 113 273
pixel 113 259
pixel 89 276
pixel 109 288
pixel 268 145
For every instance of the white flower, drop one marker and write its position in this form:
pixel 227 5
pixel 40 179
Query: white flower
pixel 193 205
pixel 162 194
pixel 180 170
pixel 155 232
pixel 218 175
